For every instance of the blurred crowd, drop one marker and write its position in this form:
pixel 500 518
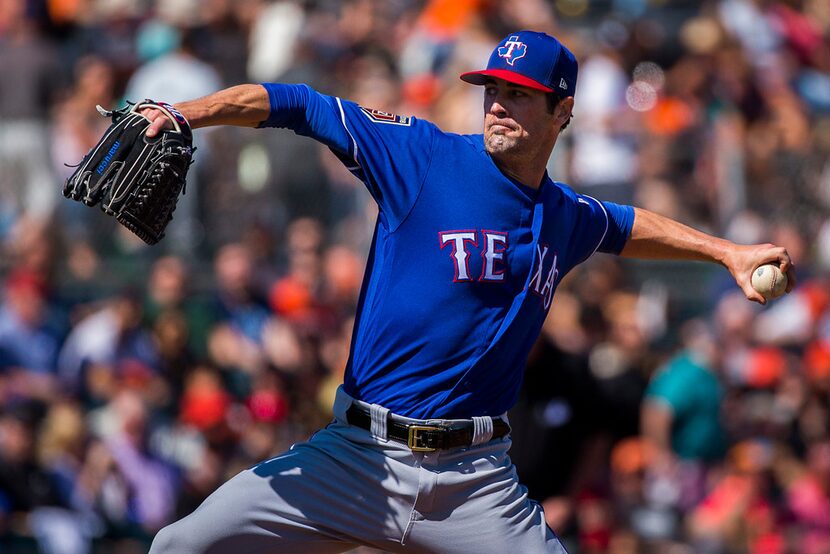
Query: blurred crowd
pixel 661 411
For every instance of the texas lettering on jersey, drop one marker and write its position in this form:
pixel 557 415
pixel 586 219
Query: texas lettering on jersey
pixel 544 288
pixel 494 245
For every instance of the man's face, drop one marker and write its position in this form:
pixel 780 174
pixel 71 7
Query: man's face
pixel 516 119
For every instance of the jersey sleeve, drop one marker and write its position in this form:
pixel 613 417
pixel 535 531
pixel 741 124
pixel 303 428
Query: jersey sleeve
pixel 389 153
pixel 600 226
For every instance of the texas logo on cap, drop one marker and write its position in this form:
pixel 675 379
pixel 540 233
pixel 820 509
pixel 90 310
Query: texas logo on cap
pixel 513 49
pixel 530 59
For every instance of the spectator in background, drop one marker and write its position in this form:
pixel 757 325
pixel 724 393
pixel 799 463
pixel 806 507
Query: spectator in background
pixel 198 482
pixel 681 419
pixel 180 319
pixel 106 346
pixel 737 513
pixel 62 453
pixel 76 128
pixel 681 413
pixel 297 295
pixel 124 428
pixel 171 68
pixel 558 412
pixel 235 343
pixel 29 495
pixel 604 159
pixel 808 496
pixel 166 287
pixel 342 269
pixel 27 330
pixel 77 124
pixel 248 338
pixel 30 79
pixel 205 405
pixel 173 72
pixel 275 40
pixel 620 364
pixel 29 339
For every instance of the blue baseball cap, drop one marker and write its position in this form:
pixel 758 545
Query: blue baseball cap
pixel 530 59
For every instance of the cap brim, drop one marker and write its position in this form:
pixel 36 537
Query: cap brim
pixel 481 77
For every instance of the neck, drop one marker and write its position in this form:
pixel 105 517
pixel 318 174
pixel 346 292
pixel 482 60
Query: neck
pixel 526 165
pixel 529 169
pixel 521 172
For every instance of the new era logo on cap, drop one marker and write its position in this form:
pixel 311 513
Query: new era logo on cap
pixel 530 59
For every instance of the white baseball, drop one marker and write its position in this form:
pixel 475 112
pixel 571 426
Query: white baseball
pixel 769 281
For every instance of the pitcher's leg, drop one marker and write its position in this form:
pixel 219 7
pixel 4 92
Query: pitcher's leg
pixel 478 505
pixel 246 514
pixel 330 494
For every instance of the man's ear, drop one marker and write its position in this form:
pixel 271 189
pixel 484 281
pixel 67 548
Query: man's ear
pixel 564 109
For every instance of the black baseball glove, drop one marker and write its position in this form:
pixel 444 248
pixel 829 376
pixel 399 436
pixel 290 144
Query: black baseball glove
pixel 135 178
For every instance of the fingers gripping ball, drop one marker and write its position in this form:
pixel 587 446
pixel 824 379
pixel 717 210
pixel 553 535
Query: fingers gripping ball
pixel 134 178
pixel 769 281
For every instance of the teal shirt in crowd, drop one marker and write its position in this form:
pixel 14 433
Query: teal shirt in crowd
pixel 694 395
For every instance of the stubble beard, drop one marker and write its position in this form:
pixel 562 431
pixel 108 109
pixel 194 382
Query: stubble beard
pixel 497 143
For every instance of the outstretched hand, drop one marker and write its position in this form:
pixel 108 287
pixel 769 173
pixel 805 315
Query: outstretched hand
pixel 743 260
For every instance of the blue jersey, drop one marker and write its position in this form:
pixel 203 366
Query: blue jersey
pixel 464 260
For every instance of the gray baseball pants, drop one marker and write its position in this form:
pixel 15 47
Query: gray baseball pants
pixel 347 487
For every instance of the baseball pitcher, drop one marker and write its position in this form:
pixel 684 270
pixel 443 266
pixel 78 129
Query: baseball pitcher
pixel 472 238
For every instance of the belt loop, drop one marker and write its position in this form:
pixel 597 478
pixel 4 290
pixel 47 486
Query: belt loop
pixel 379 416
pixel 482 429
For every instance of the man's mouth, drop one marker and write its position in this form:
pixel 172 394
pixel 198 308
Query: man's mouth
pixel 500 128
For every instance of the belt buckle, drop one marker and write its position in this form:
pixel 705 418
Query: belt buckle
pixel 414 440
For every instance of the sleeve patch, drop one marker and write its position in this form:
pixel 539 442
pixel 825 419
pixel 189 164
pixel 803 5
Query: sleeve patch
pixel 379 116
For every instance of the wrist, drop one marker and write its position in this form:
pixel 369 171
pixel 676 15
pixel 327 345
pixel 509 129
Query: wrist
pixel 720 251
pixel 176 114
pixel 193 113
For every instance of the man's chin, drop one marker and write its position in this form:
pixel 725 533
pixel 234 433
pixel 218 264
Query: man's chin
pixel 497 144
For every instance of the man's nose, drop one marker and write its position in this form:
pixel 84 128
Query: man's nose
pixel 497 109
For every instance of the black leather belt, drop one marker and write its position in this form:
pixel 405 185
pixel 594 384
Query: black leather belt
pixel 424 438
